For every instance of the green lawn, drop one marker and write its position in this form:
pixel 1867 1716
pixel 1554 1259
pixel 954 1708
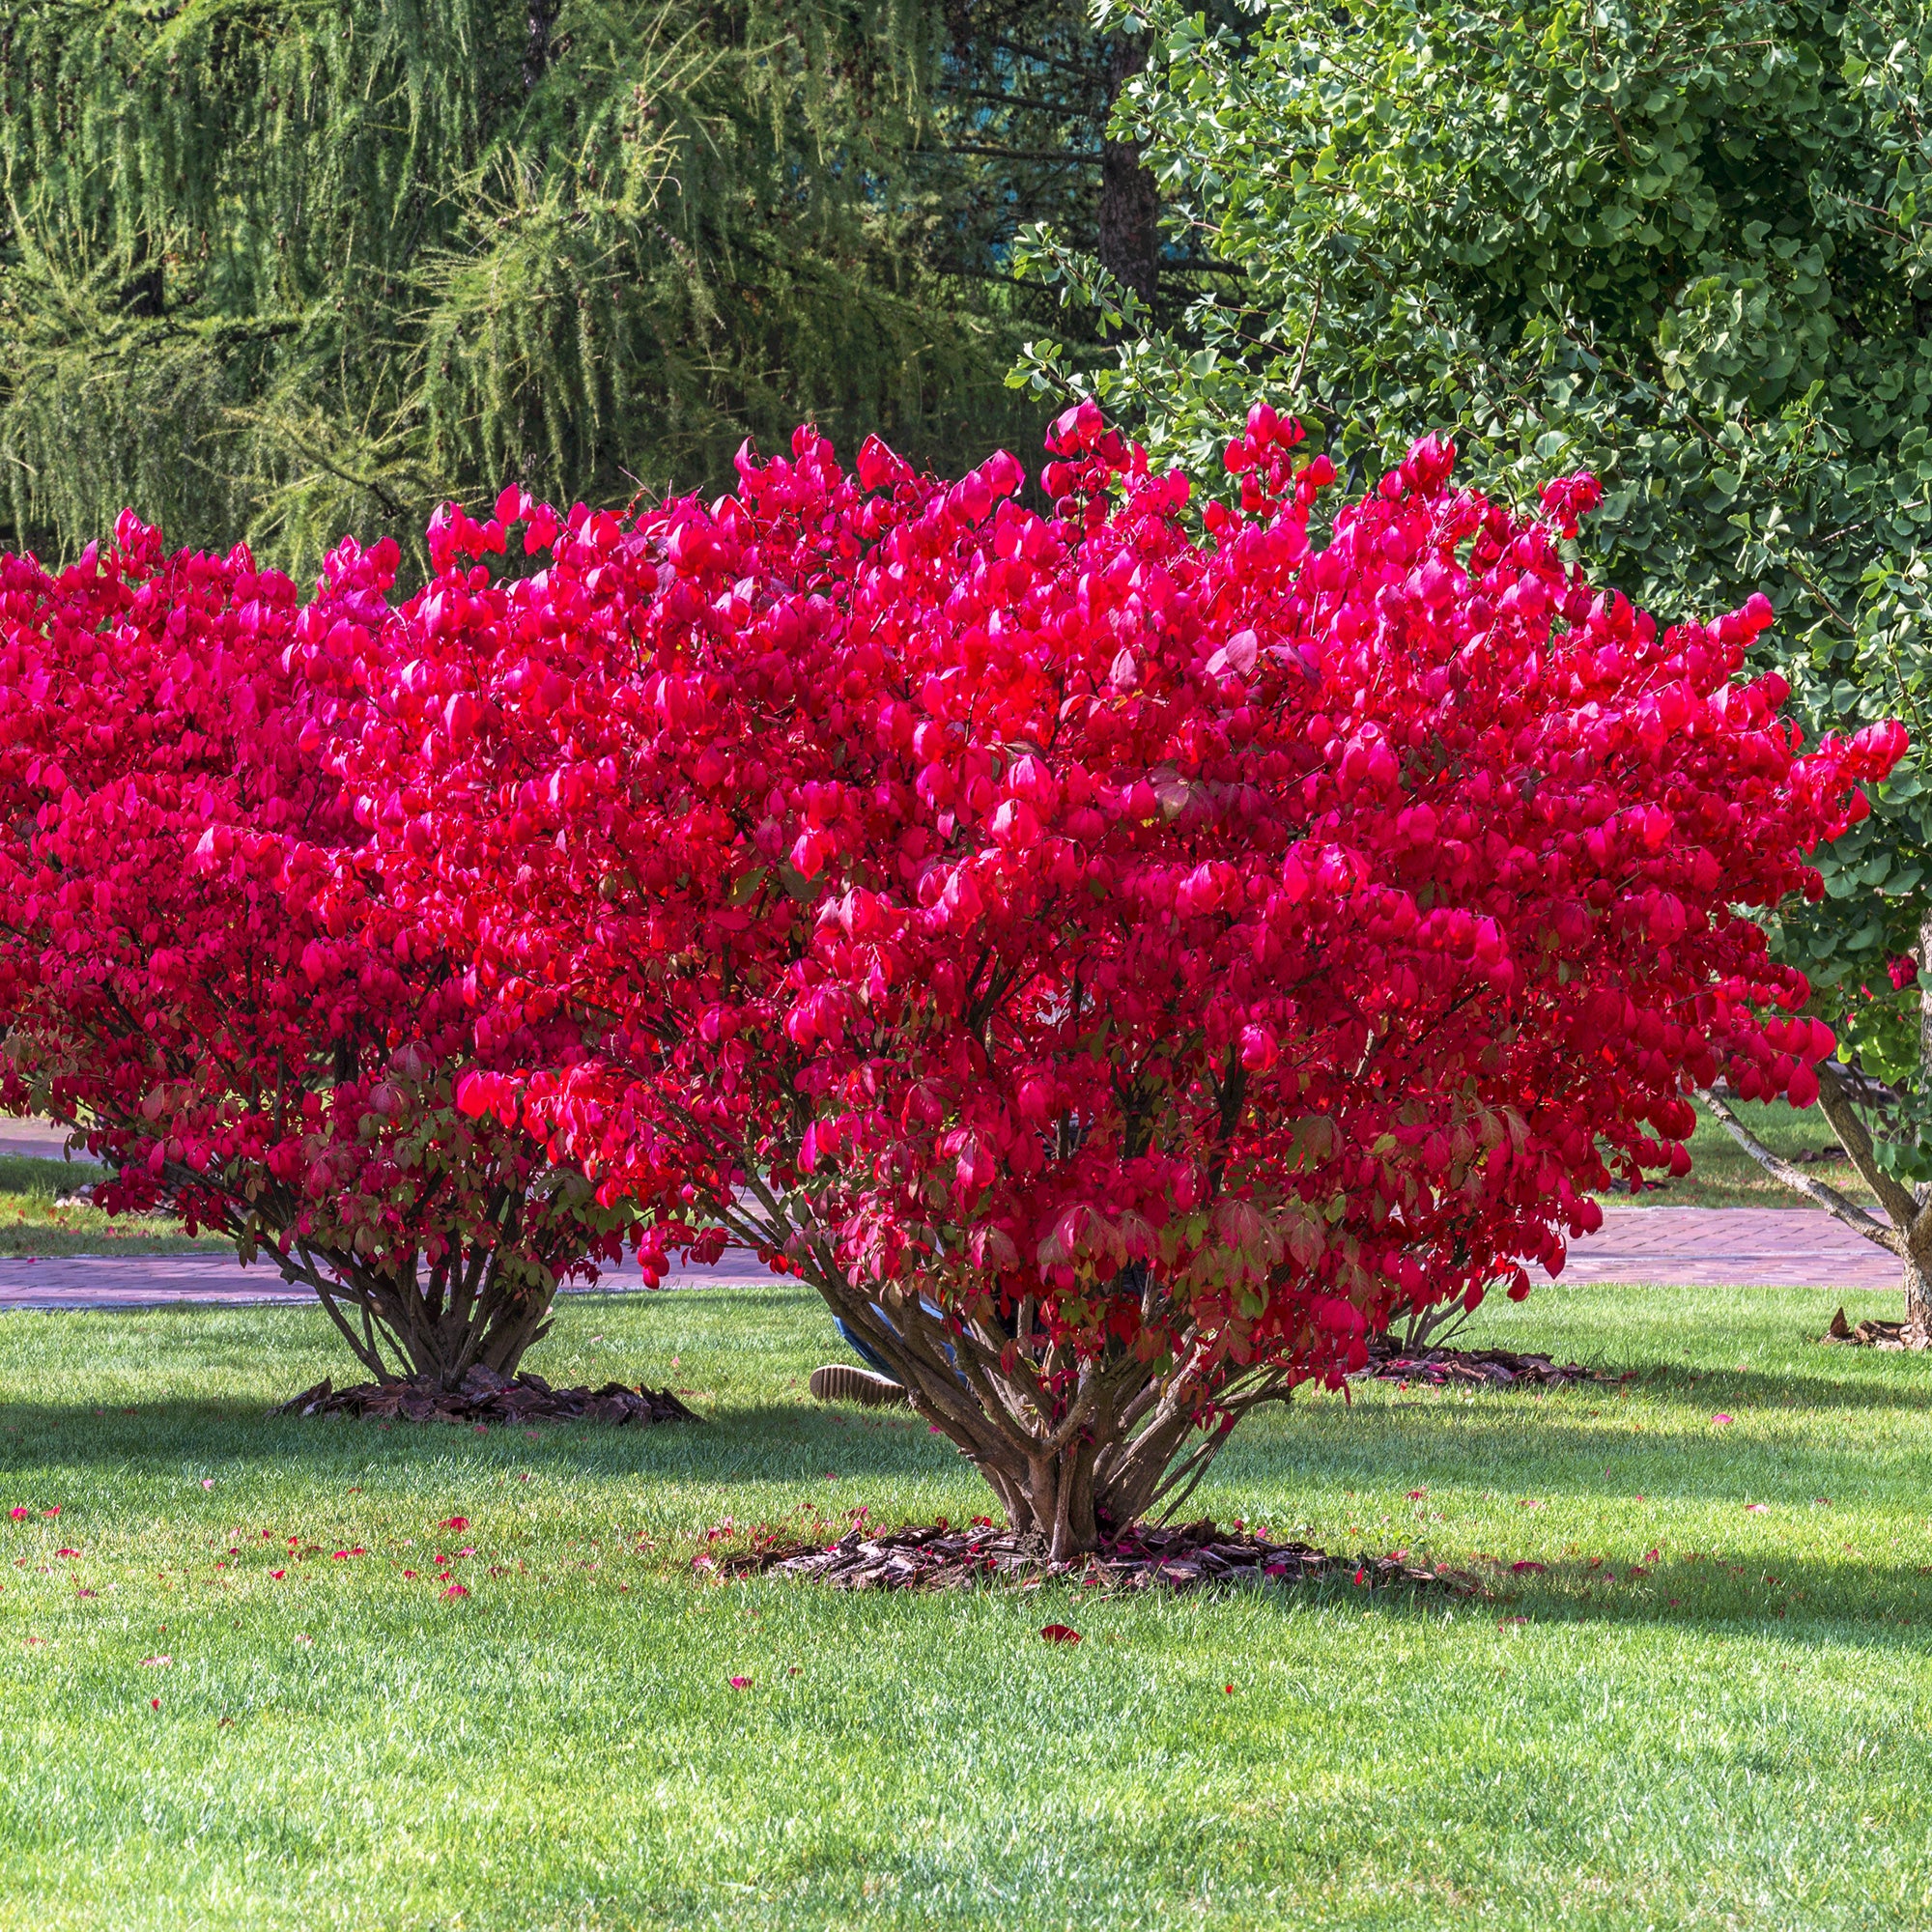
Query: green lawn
pixel 1722 1174
pixel 1698 1714
pixel 34 1220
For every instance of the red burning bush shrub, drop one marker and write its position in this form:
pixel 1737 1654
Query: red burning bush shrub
pixel 1117 970
pixel 199 967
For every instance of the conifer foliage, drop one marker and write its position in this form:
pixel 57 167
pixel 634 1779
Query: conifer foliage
pixel 200 970
pixel 283 271
pixel 1116 968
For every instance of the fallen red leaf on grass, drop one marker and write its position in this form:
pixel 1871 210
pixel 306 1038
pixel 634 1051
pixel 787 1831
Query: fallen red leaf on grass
pixel 1529 1566
pixel 155 1663
pixel 457 1590
pixel 17 1512
pixel 66 1552
pixel 1060 1634
pixel 454 1522
pixel 741 1683
pixel 1721 1419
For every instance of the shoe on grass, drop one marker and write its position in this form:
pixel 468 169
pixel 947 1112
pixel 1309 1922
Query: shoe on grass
pixel 841 1381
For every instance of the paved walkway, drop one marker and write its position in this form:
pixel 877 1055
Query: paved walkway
pixel 1735 1247
pixel 1730 1247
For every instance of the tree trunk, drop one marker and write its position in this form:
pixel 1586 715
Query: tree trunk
pixel 1128 218
pixel 416 1321
pixel 1917 1332
pixel 1907 1229
pixel 1074 1451
pixel 435 1331
pixel 1918 1329
pixel 538 22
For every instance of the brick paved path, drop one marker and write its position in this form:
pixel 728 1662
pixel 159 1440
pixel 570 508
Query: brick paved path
pixel 1742 1247
pixel 1730 1247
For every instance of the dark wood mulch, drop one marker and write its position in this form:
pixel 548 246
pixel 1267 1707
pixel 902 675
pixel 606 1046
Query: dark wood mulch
pixel 487 1397
pixel 941 1558
pixel 1479 1368
pixel 1865 1334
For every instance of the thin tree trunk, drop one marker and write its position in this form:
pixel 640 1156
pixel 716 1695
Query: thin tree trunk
pixel 540 18
pixel 1128 216
pixel 1918 1329
pixel 1907 1228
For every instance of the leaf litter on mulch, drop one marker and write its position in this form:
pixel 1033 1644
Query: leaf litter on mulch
pixel 485 1396
pixel 1194 1555
pixel 1478 1368
pixel 1873 1334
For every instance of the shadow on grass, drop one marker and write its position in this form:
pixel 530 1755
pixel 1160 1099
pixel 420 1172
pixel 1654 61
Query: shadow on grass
pixel 1887 1601
pixel 1889 1381
pixel 783 1446
pixel 776 1442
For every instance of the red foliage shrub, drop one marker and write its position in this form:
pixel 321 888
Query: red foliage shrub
pixel 1117 970
pixel 198 966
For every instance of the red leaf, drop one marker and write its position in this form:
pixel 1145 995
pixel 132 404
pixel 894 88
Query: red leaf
pixel 1060 1634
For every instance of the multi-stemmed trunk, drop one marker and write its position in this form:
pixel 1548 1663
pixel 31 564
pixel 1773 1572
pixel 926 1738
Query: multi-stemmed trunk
pixel 1075 1450
pixel 1906 1230
pixel 426 1323
pixel 482 1304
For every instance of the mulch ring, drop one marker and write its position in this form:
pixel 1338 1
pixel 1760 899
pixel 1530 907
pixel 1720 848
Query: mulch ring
pixel 1865 1334
pixel 1193 1557
pixel 1478 1368
pixel 487 1397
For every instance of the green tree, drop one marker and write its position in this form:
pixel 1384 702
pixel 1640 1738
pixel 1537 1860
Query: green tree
pixel 282 269
pixel 1682 243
